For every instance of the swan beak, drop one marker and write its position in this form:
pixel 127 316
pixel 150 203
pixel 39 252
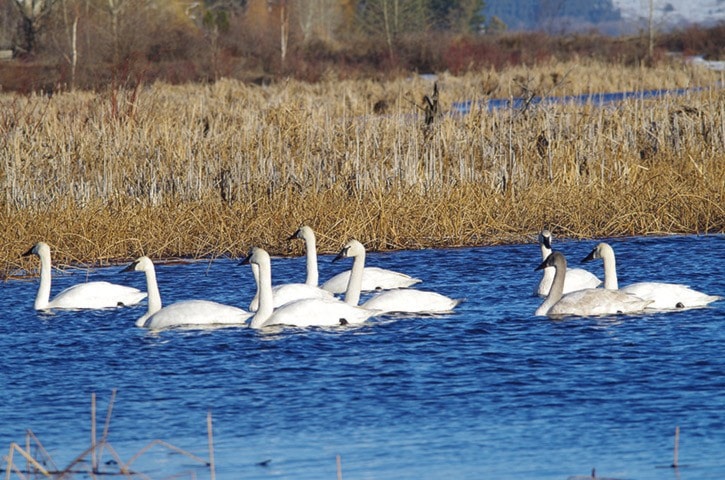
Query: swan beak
pixel 29 252
pixel 342 254
pixel 130 268
pixel 592 255
pixel 546 263
pixel 294 235
pixel 246 261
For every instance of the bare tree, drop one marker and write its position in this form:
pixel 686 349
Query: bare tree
pixel 393 18
pixel 114 9
pixel 318 19
pixel 33 12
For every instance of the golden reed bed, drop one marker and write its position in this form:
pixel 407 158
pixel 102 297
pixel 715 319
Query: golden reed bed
pixel 211 170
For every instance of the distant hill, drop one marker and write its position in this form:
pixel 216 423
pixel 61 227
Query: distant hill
pixel 606 16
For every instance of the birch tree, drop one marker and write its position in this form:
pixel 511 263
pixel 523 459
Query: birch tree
pixel 33 12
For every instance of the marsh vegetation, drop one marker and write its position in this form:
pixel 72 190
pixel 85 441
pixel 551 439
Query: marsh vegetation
pixel 208 170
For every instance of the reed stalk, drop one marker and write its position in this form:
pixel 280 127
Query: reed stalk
pixel 208 170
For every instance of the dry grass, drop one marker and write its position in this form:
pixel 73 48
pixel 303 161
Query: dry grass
pixel 210 170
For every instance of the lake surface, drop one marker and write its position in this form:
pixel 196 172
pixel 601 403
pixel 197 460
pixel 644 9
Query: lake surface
pixel 489 391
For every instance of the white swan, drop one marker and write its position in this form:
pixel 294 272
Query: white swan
pixel 664 296
pixel 404 300
pixel 307 312
pixel 287 292
pixel 184 313
pixel 374 278
pixel 576 278
pixel 590 301
pixel 90 295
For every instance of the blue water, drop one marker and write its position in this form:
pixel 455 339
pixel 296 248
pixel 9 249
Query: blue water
pixel 596 99
pixel 487 392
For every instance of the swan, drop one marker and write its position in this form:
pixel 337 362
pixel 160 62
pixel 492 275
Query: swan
pixel 306 312
pixel 664 296
pixel 184 313
pixel 590 301
pixel 374 278
pixel 90 295
pixel 287 292
pixel 576 278
pixel 404 300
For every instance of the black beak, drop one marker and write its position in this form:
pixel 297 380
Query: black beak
pixel 545 263
pixel 342 254
pixel 590 257
pixel 246 260
pixel 129 268
pixel 294 235
pixel 29 252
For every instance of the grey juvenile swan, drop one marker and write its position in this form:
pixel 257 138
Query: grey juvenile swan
pixel 587 302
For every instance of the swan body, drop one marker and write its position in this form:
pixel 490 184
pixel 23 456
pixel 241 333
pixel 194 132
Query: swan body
pixel 184 313
pixel 90 295
pixel 402 300
pixel 374 278
pixel 586 302
pixel 663 296
pixel 576 278
pixel 288 292
pixel 408 300
pixel 307 312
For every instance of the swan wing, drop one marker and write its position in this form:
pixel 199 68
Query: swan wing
pixel 576 279
pixel 592 302
pixel 410 301
pixel 322 312
pixel 195 313
pixel 289 292
pixel 374 278
pixel 283 294
pixel 669 296
pixel 579 279
pixel 96 295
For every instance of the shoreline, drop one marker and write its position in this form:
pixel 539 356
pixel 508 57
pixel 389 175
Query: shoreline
pixel 25 270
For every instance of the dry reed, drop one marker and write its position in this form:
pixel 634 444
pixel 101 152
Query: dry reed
pixel 40 464
pixel 209 170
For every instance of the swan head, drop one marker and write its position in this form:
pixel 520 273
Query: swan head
pixel 545 238
pixel 555 259
pixel 141 264
pixel 256 257
pixel 600 251
pixel 353 248
pixel 304 232
pixel 39 249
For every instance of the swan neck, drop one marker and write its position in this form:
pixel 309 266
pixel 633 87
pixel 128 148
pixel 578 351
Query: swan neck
pixel 42 299
pixel 254 304
pixel 556 291
pixel 610 270
pixel 311 249
pixel 545 251
pixel 354 285
pixel 264 292
pixel 548 275
pixel 152 288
